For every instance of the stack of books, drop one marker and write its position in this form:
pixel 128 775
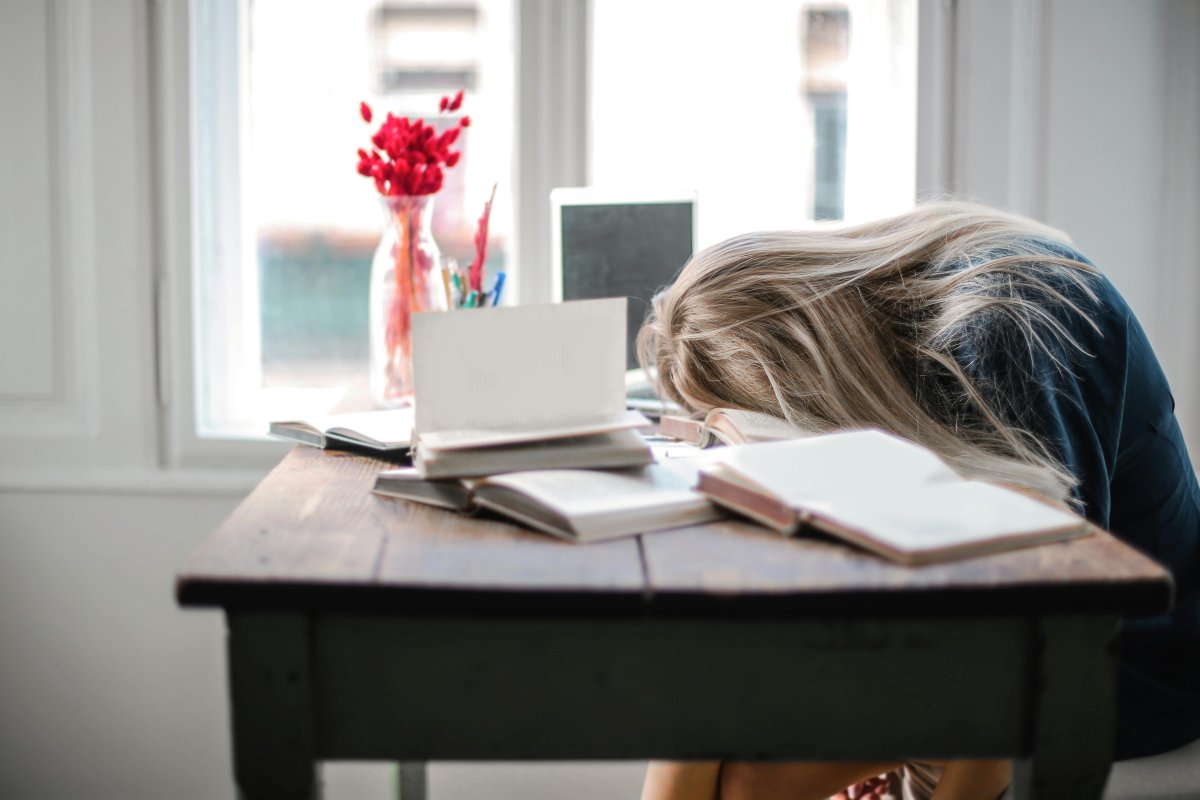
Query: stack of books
pixel 522 411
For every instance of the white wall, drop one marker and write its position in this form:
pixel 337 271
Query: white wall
pixel 109 690
pixel 1083 112
pixel 1086 114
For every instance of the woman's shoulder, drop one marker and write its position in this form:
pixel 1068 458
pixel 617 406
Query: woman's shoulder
pixel 1040 290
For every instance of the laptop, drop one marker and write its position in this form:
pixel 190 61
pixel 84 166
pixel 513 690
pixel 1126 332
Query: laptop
pixel 609 243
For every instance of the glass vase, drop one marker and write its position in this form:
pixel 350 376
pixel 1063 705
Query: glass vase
pixel 404 281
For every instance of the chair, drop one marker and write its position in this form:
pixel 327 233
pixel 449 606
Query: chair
pixel 1169 776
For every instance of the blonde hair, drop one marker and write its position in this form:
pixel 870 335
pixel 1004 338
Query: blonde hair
pixel 860 326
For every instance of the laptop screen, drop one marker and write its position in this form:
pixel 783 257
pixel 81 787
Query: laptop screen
pixel 615 249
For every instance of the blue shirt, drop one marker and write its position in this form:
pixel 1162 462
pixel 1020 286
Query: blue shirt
pixel 1108 415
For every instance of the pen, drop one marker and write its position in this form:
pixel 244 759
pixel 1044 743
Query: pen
pixel 446 285
pixel 499 287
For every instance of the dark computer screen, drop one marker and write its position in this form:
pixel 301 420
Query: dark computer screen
pixel 630 249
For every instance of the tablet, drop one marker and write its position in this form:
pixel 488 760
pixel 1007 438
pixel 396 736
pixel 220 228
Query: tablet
pixel 608 243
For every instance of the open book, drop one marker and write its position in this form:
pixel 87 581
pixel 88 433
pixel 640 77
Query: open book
pixel 729 426
pixel 581 505
pixel 506 389
pixel 883 493
pixel 385 431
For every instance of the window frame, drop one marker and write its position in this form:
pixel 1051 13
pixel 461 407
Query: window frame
pixel 551 149
pixel 551 76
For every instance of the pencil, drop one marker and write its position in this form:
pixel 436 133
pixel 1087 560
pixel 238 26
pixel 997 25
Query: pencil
pixel 446 285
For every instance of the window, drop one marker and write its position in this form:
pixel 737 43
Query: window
pixel 286 228
pixel 779 114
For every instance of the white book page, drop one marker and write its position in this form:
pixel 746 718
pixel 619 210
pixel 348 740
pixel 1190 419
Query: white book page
pixel 524 367
pixel 392 426
pixel 464 439
pixel 812 472
pixel 754 426
pixel 582 493
pixel 950 515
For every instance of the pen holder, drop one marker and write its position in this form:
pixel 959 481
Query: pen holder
pixel 405 279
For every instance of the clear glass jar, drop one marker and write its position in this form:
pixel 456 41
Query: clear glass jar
pixel 405 279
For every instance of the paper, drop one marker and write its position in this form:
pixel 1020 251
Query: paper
pixel 847 466
pixel 521 367
pixel 581 493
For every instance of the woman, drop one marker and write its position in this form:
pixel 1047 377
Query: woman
pixel 988 339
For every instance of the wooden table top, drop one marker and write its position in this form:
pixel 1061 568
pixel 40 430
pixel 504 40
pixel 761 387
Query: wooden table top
pixel 312 536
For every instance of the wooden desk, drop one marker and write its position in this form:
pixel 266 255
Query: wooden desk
pixel 367 628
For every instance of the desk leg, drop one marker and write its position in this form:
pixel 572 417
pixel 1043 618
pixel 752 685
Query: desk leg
pixel 1074 710
pixel 270 684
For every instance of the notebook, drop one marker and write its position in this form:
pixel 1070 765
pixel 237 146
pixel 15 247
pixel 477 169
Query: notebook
pixel 511 377
pixel 880 492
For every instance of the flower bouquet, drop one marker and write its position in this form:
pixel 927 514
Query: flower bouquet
pixel 407 163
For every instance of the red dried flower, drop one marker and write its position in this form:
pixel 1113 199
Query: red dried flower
pixel 365 110
pixel 410 156
pixel 475 271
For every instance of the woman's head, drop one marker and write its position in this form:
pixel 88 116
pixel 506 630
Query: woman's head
pixel 858 326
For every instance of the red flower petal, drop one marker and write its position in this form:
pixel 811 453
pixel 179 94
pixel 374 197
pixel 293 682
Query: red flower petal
pixel 443 104
pixel 365 110
pixel 452 158
pixel 456 103
pixel 466 122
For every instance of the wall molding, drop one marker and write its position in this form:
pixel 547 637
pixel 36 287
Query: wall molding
pixel 66 410
pixel 552 118
pixel 997 136
pixel 1176 275
pixel 184 483
pixel 1027 110
pixel 936 29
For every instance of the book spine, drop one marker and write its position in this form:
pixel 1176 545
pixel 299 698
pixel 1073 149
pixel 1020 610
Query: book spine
pixel 760 507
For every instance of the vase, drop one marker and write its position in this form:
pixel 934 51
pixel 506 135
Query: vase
pixel 404 281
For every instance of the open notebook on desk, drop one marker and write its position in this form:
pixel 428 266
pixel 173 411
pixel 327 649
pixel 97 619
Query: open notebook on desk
pixel 883 493
pixel 385 431
pixel 502 389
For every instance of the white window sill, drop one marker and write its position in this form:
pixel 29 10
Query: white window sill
pixel 187 482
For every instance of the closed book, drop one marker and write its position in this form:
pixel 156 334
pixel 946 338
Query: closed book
pixel 619 448
pixel 882 493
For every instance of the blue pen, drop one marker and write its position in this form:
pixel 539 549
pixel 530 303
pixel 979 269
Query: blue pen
pixel 497 289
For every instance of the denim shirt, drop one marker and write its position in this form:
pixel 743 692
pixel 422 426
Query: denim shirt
pixel 1107 412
